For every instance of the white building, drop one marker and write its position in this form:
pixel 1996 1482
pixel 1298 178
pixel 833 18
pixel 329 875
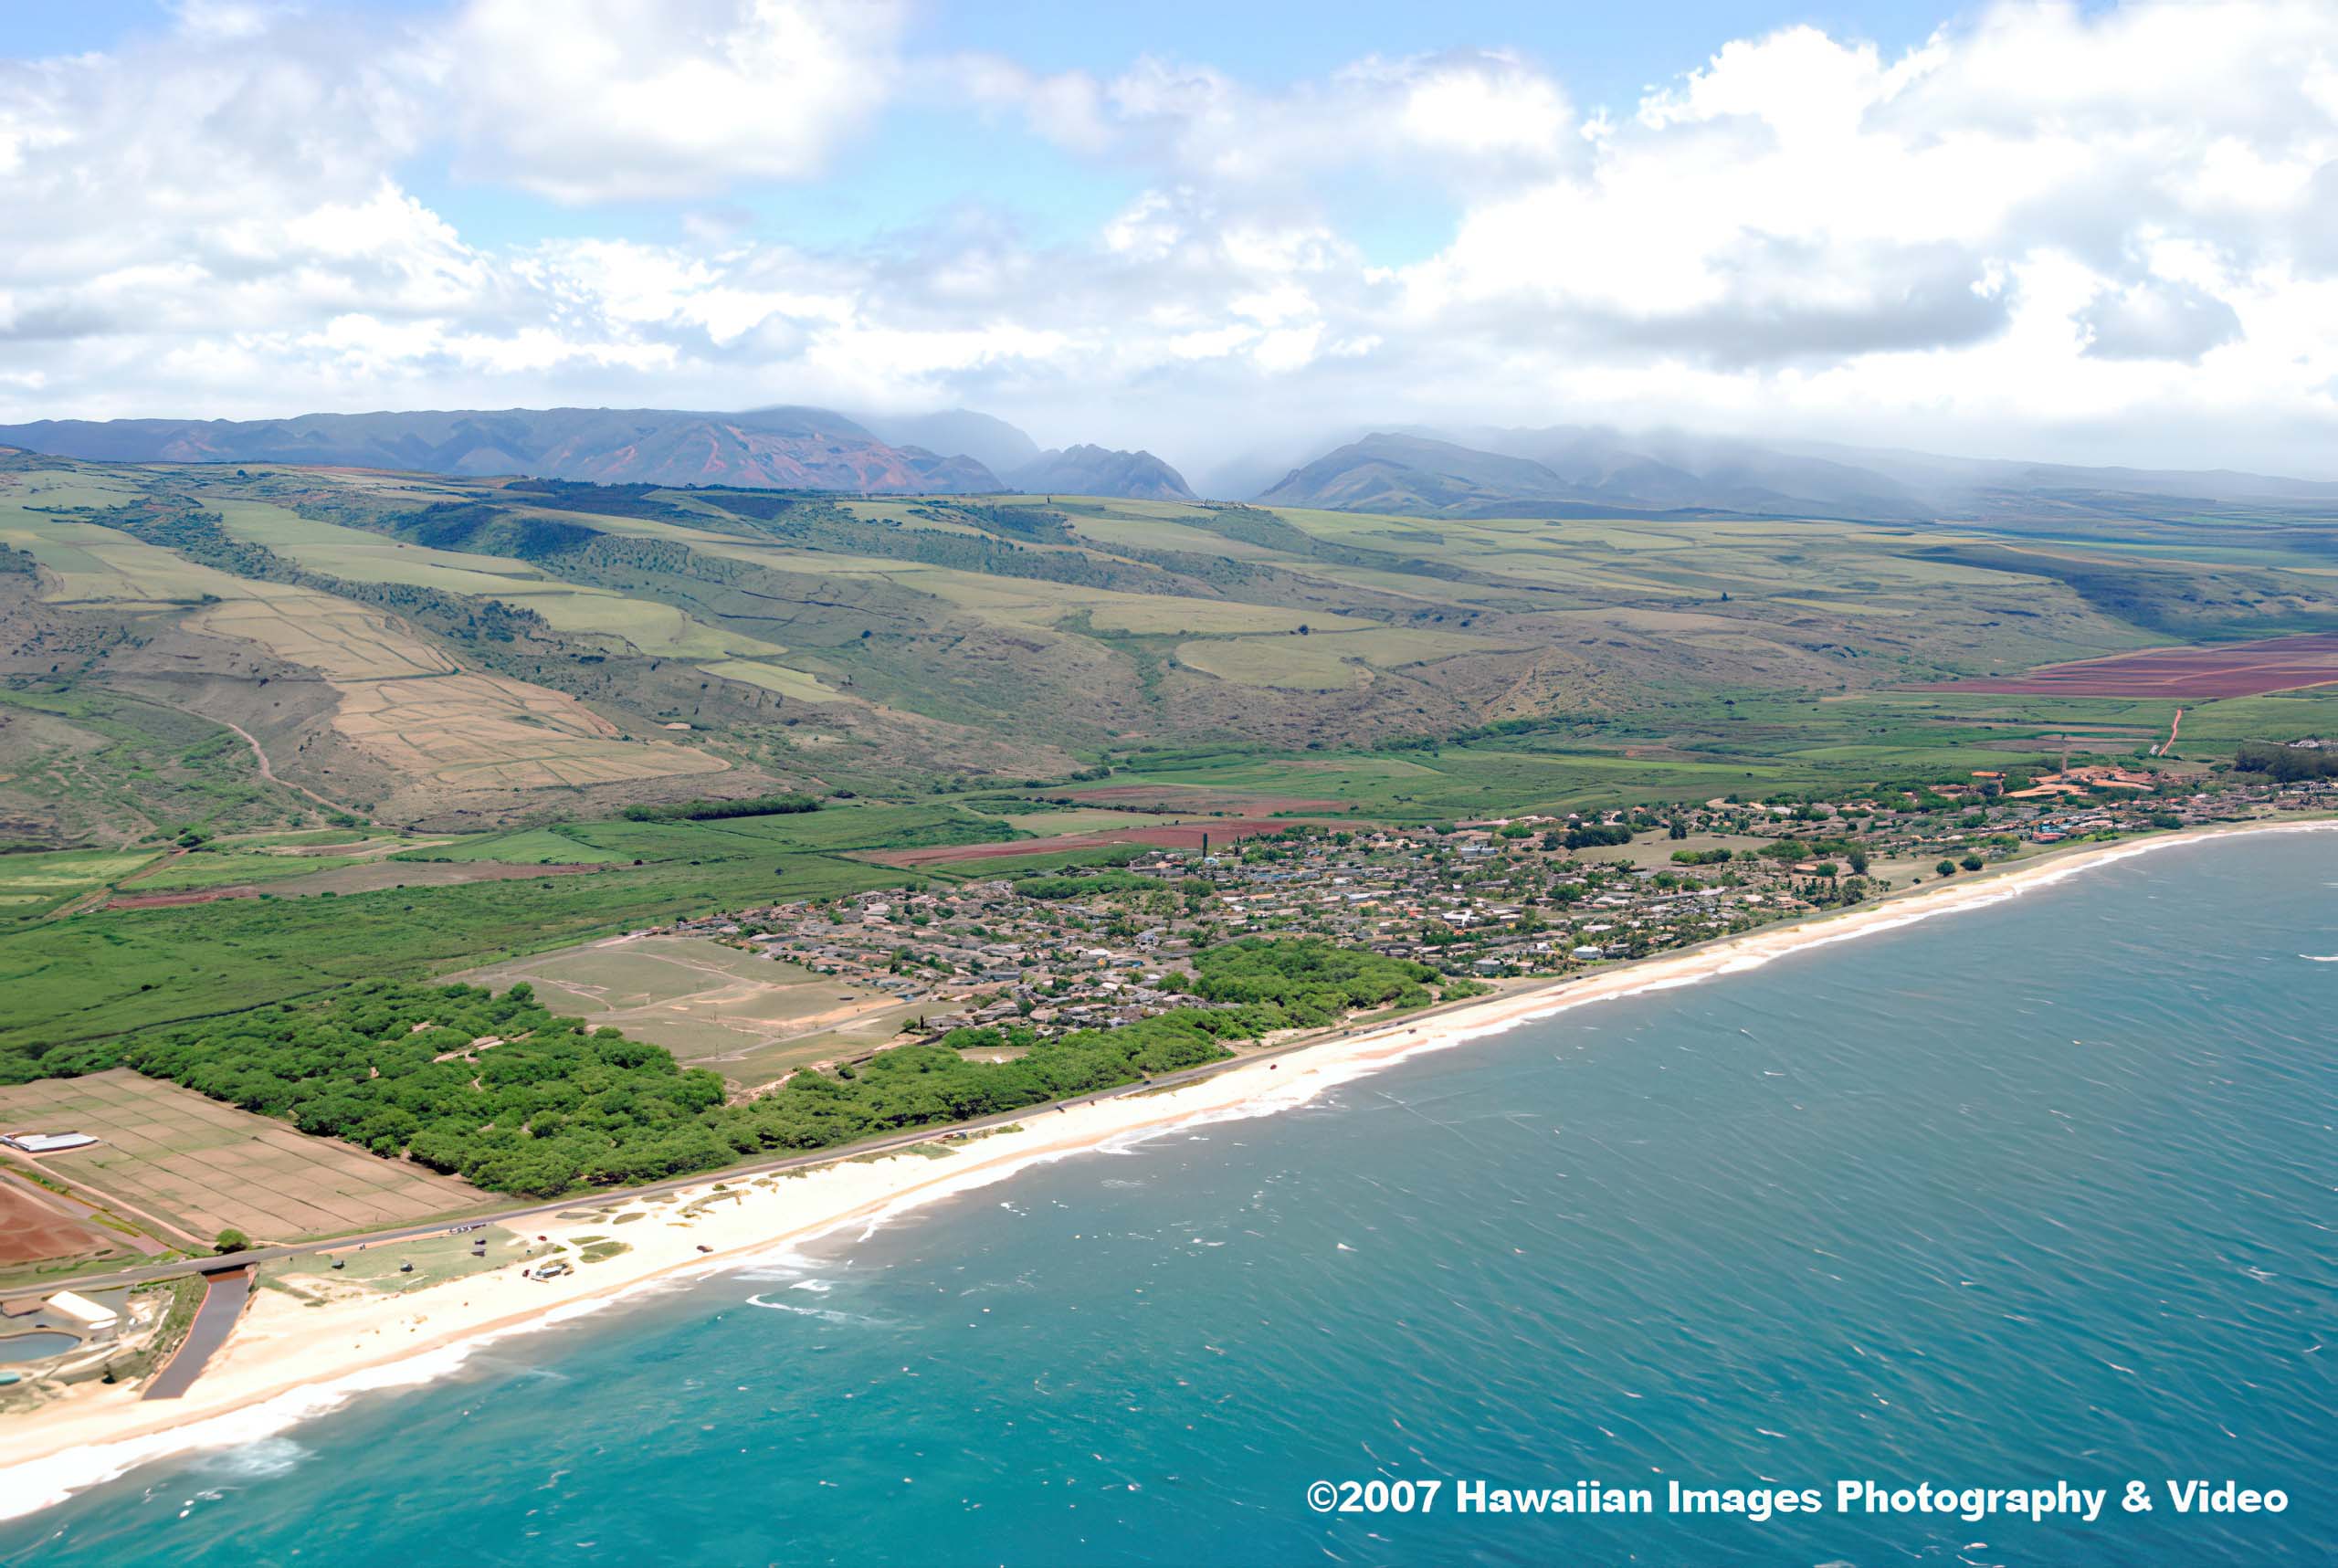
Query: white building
pixel 99 1321
pixel 47 1143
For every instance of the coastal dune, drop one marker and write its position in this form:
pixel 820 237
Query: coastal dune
pixel 288 1361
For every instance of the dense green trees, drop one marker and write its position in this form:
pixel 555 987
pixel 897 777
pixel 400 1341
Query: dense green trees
pixel 395 1067
pixel 1070 886
pixel 718 810
pixel 499 1091
pixel 1312 981
pixel 2286 765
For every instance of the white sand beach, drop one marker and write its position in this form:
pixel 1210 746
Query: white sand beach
pixel 289 1361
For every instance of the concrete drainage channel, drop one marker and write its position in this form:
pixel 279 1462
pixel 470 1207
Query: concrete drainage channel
pixel 224 1296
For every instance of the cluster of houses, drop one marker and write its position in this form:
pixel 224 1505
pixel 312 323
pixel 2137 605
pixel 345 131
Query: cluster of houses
pixel 1491 899
pixel 1478 900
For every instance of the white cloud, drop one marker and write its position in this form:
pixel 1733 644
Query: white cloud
pixel 2155 319
pixel 2118 230
pixel 595 99
pixel 225 19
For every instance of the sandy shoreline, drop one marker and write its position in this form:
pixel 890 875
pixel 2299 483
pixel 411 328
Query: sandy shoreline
pixel 288 1361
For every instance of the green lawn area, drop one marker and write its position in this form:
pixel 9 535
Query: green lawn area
pixel 33 885
pixel 527 846
pixel 190 871
pixel 435 1259
pixel 104 971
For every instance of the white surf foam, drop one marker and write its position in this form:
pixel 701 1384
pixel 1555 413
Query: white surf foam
pixel 42 1483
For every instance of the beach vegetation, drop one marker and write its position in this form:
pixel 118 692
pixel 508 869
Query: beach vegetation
pixel 2285 764
pixel 500 1092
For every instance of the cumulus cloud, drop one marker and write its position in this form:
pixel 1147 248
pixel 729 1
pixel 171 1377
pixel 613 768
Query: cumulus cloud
pixel 2157 321
pixel 2113 229
pixel 595 99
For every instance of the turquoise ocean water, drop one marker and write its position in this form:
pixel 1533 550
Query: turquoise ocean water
pixel 2039 1193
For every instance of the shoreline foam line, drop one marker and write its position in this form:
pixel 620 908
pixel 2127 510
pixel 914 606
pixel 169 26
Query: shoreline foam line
pixel 292 1365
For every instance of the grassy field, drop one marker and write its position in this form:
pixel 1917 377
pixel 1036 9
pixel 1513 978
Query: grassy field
pixel 888 639
pixel 408 702
pixel 191 871
pixel 747 1016
pixel 941 657
pixel 106 971
pixel 97 766
pixel 527 846
pixel 640 626
pixel 38 884
pixel 395 1269
pixel 192 1167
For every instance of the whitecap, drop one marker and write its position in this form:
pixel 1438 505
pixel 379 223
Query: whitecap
pixel 36 1484
pixel 826 1314
pixel 256 1461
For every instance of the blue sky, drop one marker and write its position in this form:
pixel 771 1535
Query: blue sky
pixel 924 165
pixel 2065 229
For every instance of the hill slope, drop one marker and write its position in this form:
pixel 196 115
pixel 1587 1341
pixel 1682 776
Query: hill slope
pixel 1413 476
pixel 787 449
pixel 1086 471
pixel 994 443
pixel 1579 470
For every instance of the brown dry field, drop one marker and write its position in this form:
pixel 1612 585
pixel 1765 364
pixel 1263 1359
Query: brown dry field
pixel 2236 670
pixel 32 1230
pixel 475 731
pixel 169 1156
pixel 1176 835
pixel 748 1016
pixel 418 712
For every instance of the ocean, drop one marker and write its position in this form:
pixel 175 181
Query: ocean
pixel 2013 1198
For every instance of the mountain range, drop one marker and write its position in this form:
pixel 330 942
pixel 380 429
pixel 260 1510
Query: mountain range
pixel 777 448
pixel 1559 471
pixel 1096 471
pixel 1590 471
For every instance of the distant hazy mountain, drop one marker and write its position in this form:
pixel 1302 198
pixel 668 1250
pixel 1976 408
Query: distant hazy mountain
pixel 1095 471
pixel 783 448
pixel 1982 482
pixel 994 443
pixel 1415 476
pixel 1578 470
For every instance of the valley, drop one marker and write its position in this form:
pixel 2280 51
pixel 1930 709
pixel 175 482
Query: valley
pixel 271 732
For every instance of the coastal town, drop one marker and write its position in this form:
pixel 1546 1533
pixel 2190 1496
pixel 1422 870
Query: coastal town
pixel 1008 962
pixel 988 968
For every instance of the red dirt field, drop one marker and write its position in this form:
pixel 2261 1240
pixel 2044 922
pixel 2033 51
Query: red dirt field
pixel 31 1231
pixel 1182 836
pixel 172 901
pixel 2232 670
